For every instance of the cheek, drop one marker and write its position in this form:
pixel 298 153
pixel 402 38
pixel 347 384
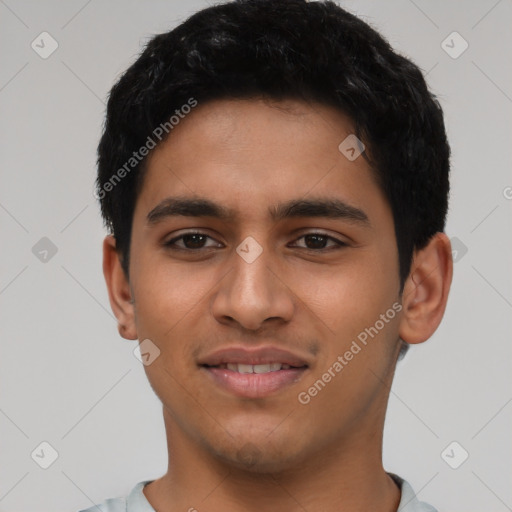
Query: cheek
pixel 346 298
pixel 163 300
pixel 167 293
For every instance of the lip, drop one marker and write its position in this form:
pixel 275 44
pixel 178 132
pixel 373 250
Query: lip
pixel 254 385
pixel 255 355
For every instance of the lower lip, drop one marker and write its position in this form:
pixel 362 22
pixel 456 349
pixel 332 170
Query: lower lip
pixel 254 385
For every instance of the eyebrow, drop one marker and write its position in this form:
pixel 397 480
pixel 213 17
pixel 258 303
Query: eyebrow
pixel 296 208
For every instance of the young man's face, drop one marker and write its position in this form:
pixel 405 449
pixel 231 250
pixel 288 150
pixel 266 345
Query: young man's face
pixel 302 301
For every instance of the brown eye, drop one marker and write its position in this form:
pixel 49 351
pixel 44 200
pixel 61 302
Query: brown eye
pixel 315 241
pixel 319 241
pixel 192 241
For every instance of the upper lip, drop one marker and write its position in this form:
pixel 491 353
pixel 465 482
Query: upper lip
pixel 255 355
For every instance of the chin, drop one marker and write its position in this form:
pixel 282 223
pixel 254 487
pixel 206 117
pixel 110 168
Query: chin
pixel 257 455
pixel 251 459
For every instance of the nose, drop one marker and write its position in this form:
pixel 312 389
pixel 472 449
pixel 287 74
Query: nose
pixel 252 295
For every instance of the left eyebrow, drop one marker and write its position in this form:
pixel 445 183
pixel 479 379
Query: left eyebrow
pixel 322 207
pixel 198 207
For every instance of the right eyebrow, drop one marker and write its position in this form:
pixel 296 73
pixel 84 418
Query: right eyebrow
pixel 187 207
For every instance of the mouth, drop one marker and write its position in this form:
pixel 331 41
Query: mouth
pixel 255 373
pixel 253 368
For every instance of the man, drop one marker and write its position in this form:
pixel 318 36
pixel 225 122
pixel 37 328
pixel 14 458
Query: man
pixel 274 179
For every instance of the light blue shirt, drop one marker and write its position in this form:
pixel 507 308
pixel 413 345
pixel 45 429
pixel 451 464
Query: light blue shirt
pixel 136 501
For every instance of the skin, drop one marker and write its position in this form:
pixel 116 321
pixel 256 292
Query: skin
pixel 271 453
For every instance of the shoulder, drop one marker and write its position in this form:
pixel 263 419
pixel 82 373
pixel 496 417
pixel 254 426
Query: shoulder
pixel 409 501
pixel 135 502
pixel 110 505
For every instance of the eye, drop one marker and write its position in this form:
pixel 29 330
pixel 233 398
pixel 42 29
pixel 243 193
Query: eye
pixel 191 241
pixel 319 241
pixel 195 241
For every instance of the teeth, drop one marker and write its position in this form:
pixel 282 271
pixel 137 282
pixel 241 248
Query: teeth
pixel 262 368
pixel 245 368
pixel 256 368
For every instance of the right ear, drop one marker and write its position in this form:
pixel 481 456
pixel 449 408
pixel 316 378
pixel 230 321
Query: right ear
pixel 119 292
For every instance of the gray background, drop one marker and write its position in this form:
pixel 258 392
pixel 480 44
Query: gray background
pixel 67 378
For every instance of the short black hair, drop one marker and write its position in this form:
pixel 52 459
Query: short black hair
pixel 283 49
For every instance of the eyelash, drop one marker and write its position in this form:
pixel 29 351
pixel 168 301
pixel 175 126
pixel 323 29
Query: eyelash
pixel 338 243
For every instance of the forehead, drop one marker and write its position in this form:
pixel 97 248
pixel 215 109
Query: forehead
pixel 273 128
pixel 250 153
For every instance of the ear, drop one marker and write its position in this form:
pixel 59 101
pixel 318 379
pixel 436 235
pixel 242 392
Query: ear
pixel 119 291
pixel 426 290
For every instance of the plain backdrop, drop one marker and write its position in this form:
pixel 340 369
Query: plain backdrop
pixel 69 380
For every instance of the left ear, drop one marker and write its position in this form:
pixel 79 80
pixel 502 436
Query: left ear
pixel 426 290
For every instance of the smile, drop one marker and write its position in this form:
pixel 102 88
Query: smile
pixel 254 372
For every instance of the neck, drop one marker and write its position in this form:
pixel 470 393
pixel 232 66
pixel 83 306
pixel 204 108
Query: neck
pixel 347 476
